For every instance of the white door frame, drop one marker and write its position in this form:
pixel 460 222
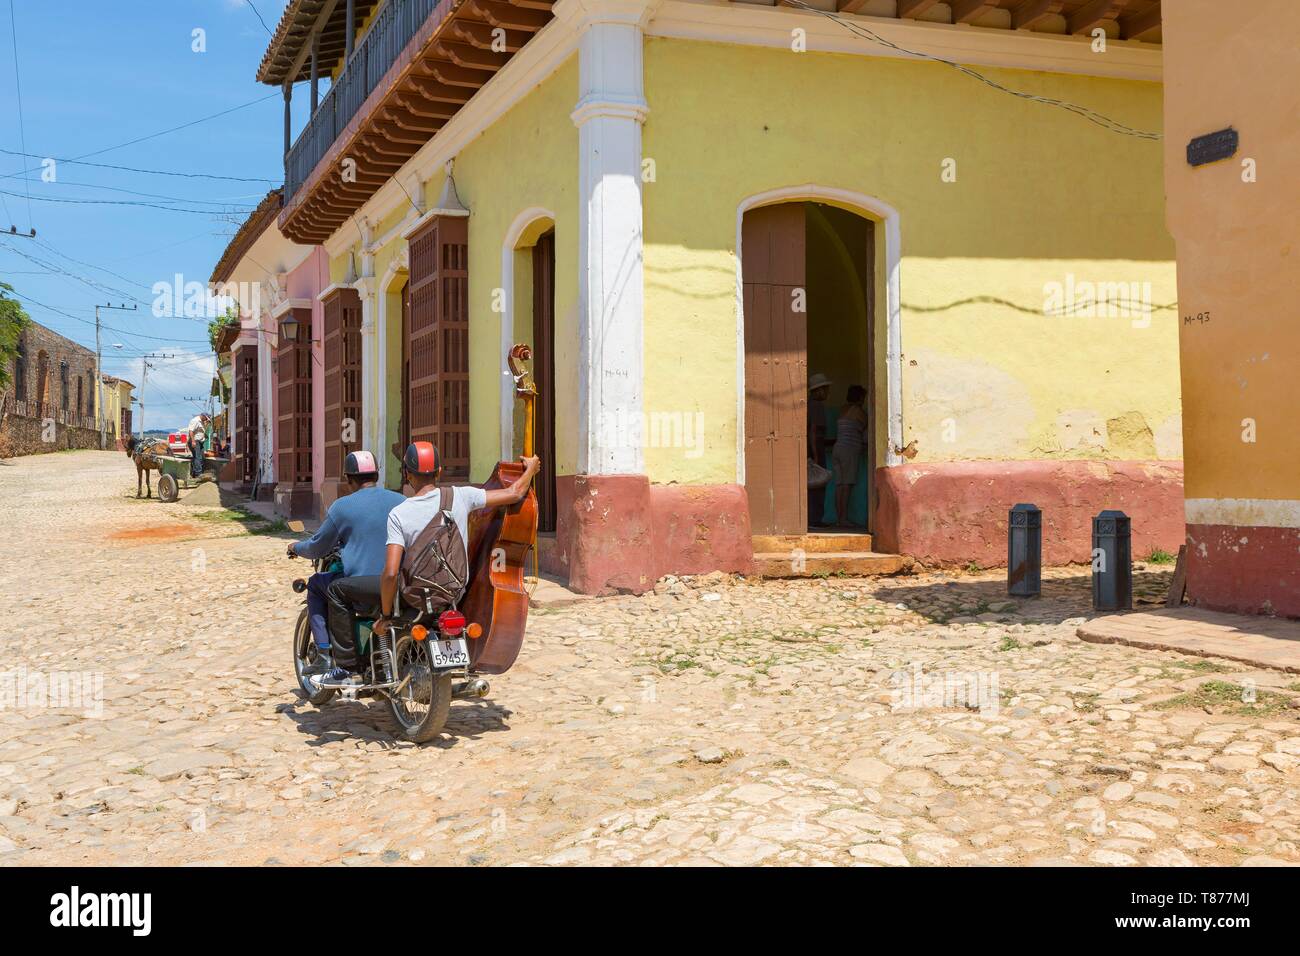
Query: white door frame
pixel 514 235
pixel 864 205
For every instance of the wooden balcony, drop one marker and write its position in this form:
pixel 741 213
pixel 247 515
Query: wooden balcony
pixel 417 65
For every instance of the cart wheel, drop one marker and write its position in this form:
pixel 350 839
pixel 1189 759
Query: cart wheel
pixel 168 490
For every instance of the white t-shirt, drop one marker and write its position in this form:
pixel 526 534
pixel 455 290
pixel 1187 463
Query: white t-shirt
pixel 197 430
pixel 412 516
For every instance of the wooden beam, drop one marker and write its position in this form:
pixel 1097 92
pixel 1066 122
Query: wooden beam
pixel 504 15
pixel 480 35
pixel 1033 12
pixel 964 11
pixel 849 6
pixel 1140 25
pixel 468 56
pixel 321 19
pixel 911 9
pixel 1094 14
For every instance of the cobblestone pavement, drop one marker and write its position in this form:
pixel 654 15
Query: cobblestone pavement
pixel 715 722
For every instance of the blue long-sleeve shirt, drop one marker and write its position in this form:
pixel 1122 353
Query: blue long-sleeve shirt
pixel 358 523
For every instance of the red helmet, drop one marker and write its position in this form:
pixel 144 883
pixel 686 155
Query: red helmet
pixel 360 463
pixel 421 458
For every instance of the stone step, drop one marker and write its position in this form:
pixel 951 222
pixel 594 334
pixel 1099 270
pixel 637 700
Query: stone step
pixel 808 543
pixel 780 564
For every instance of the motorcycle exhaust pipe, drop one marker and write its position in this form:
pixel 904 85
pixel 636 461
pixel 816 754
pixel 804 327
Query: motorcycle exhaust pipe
pixel 473 689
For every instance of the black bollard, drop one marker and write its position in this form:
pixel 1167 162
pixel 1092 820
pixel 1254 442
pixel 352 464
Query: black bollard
pixel 1024 551
pixel 1112 562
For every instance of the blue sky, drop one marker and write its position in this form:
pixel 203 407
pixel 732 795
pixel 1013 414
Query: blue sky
pixel 94 75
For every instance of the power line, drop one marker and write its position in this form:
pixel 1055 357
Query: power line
pixel 1090 115
pixel 226 202
pixel 256 14
pixel 22 126
pixel 137 203
pixel 136 169
pixel 141 139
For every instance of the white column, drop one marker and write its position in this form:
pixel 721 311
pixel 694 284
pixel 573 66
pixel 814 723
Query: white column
pixel 611 108
pixel 372 374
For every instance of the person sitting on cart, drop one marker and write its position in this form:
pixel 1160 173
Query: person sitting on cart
pixel 357 525
pixel 197 431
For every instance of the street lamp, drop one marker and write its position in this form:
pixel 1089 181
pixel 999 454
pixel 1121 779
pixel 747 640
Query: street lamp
pixel 289 327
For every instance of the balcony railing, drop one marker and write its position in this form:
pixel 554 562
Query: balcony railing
pixel 394 26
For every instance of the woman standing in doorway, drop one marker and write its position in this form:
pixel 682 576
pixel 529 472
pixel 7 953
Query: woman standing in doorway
pixel 847 450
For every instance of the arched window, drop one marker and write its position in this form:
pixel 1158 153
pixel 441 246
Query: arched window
pixel 20 372
pixel 42 382
pixel 63 386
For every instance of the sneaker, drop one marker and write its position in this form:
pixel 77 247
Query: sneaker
pixel 321 664
pixel 335 678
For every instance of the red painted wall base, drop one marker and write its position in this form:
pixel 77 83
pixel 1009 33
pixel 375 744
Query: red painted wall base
pixel 1245 570
pixel 621 533
pixel 952 513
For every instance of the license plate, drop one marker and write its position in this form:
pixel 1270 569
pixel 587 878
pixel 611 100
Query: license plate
pixel 448 653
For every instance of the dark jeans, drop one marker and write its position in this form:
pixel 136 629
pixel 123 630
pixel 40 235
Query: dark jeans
pixel 350 598
pixel 316 605
pixel 196 464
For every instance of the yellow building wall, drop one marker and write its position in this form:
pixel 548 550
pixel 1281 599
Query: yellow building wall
pixel 528 158
pixel 1238 248
pixel 1040 196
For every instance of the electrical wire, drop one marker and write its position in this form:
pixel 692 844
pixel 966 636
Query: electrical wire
pixel 22 126
pixel 131 202
pixel 141 139
pixel 1090 115
pixel 137 169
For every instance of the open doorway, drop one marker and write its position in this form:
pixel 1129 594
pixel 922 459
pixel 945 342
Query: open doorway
pixel 808 283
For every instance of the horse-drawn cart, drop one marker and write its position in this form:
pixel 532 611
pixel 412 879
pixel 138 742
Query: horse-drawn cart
pixel 174 474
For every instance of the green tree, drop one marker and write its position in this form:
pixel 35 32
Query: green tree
pixel 12 322
pixel 215 326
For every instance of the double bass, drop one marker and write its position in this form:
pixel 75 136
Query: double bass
pixel 500 540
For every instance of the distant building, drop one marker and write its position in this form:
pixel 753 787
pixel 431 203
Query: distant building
pixel 51 401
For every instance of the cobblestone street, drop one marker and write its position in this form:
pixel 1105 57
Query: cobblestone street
pixel 716 721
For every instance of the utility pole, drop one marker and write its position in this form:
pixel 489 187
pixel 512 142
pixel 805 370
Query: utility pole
pixel 144 375
pixel 99 371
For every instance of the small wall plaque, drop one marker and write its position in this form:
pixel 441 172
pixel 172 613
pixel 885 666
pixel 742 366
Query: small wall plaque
pixel 1212 147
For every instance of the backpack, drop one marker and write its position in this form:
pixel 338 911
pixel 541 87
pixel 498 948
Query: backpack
pixel 435 568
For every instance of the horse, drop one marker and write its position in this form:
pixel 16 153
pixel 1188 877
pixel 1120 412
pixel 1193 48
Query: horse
pixel 145 455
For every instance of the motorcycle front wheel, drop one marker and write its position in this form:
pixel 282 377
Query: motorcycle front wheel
pixel 421 705
pixel 304 654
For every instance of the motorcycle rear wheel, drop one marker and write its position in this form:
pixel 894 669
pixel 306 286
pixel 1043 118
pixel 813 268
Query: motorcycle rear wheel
pixel 304 653
pixel 420 708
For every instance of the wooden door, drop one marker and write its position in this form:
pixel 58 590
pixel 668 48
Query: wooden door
pixel 246 415
pixel 776 369
pixel 439 342
pixel 341 345
pixel 404 421
pixel 544 375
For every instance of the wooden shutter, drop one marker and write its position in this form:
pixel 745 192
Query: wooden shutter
pixel 776 370
pixel 293 431
pixel 439 342
pixel 246 414
pixel 342 358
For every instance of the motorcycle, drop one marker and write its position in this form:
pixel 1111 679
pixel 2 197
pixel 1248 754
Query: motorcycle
pixel 419 669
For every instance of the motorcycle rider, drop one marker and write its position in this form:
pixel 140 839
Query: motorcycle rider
pixel 421 468
pixel 357 525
